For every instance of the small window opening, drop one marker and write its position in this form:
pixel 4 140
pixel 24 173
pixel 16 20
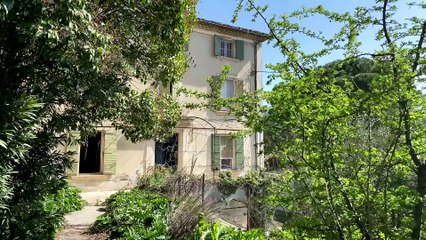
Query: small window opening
pixel 226 48
pixel 166 153
pixel 90 154
pixel 227 153
pixel 228 89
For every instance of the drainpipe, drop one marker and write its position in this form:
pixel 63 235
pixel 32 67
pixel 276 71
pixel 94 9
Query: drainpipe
pixel 256 135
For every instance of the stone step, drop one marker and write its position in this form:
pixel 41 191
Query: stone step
pixel 89 184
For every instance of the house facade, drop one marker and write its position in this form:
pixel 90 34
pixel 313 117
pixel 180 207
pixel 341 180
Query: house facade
pixel 202 143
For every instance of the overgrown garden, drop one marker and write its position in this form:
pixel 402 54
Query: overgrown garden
pixel 349 135
pixel 165 205
pixel 68 66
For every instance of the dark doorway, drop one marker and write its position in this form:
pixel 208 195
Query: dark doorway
pixel 90 154
pixel 166 153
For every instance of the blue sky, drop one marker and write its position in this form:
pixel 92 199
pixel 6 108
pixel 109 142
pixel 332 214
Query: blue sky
pixel 222 11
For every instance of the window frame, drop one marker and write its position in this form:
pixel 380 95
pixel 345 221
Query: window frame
pixel 224 84
pixel 225 49
pixel 236 46
pixel 234 157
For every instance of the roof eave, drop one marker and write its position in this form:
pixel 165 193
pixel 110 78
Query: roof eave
pixel 232 30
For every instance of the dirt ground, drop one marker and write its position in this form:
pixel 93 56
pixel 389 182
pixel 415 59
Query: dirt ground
pixel 76 232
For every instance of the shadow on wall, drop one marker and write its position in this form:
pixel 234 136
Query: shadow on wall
pixel 125 145
pixel 131 157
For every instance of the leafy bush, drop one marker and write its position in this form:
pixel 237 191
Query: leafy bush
pixel 42 219
pixel 184 193
pixel 163 180
pixel 135 215
pixel 217 231
pixel 67 200
pixel 158 180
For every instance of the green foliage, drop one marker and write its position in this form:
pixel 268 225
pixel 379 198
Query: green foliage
pixel 43 218
pixel 72 65
pixel 135 215
pixel 141 214
pixel 258 187
pixel 158 180
pixel 350 134
pixel 184 193
pixel 38 175
pixel 14 139
pixel 66 200
pixel 217 231
pixel 244 105
pixel 229 183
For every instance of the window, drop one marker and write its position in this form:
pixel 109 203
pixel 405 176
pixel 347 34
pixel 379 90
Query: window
pixel 226 48
pixel 227 152
pixel 228 89
pixel 166 152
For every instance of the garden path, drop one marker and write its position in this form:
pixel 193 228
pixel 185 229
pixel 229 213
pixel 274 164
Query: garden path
pixel 77 223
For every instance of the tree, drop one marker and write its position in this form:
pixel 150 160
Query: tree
pixel 354 157
pixel 360 71
pixel 71 65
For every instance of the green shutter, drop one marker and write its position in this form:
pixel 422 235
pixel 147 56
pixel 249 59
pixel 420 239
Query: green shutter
pixel 74 147
pixel 110 152
pixel 239 88
pixel 239 152
pixel 215 152
pixel 239 49
pixel 217 40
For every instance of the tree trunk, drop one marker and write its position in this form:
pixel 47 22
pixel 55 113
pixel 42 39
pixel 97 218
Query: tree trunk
pixel 419 207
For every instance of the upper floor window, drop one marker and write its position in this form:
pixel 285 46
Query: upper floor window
pixel 228 48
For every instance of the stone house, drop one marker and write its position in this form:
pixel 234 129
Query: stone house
pixel 202 143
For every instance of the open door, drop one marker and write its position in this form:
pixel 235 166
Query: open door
pixel 90 154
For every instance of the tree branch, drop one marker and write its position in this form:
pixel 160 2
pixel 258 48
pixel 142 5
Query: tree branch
pixel 385 29
pixel 296 65
pixel 419 46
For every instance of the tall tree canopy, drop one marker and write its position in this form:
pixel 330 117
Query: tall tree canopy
pixel 70 65
pixel 351 134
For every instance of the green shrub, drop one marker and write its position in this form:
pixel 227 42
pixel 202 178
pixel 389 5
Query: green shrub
pixel 217 231
pixel 184 193
pixel 135 215
pixel 158 180
pixel 43 218
pixel 172 185
pixel 67 200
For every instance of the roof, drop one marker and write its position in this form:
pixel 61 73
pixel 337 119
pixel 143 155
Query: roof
pixel 232 30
